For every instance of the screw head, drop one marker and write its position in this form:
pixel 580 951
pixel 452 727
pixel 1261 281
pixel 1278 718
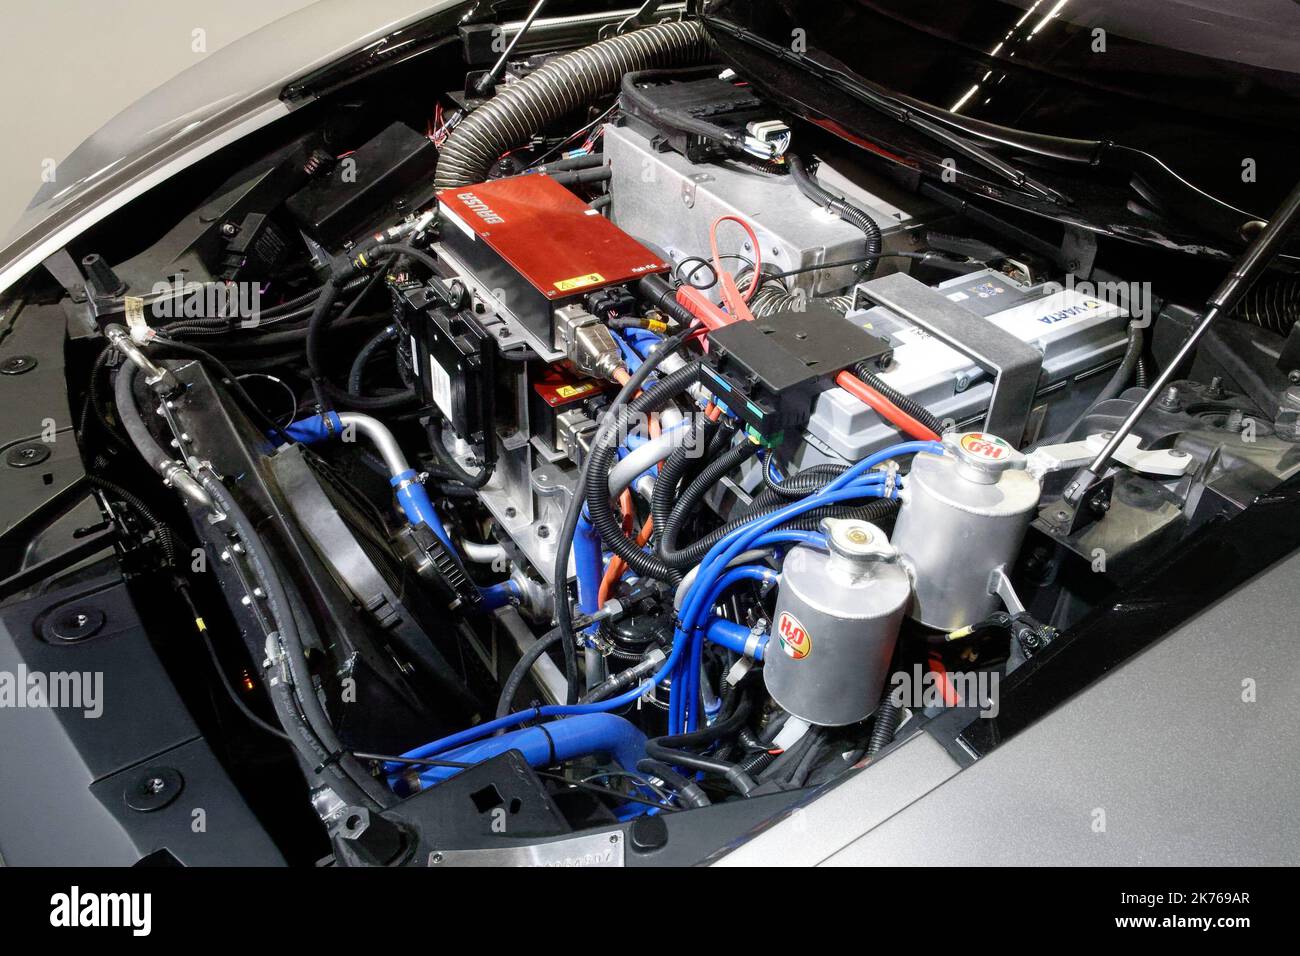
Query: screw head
pixel 74 624
pixel 153 788
pixel 28 454
pixel 17 364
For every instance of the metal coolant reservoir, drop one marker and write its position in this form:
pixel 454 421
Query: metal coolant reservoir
pixel 837 619
pixel 964 514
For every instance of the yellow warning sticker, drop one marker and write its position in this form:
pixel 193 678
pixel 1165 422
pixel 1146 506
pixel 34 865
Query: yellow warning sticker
pixel 578 282
pixel 568 391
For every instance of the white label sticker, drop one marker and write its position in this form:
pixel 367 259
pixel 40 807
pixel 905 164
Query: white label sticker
pixel 440 386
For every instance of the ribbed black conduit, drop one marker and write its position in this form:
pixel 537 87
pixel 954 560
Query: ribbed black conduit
pixel 866 372
pixel 561 87
pixel 839 206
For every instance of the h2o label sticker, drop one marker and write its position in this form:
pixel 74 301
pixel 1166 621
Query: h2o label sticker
pixel 988 447
pixel 795 641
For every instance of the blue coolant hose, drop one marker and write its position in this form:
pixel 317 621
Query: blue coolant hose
pixel 543 746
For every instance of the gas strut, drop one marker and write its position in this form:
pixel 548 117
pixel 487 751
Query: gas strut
pixel 1086 483
pixel 488 81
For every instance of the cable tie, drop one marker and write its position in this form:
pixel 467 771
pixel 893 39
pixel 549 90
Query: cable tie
pixel 333 758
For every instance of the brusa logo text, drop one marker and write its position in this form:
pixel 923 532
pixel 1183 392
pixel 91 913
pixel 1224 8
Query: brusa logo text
pixel 480 208
pixel 74 909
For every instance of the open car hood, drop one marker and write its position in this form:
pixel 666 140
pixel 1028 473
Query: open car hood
pixel 1166 123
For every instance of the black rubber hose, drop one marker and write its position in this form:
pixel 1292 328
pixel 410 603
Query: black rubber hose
pixel 691 554
pixel 584 161
pixel 452 467
pixel 564 547
pixel 688 791
pixel 357 374
pixel 1124 372
pixel 521 669
pixel 133 423
pixel 739 779
pixel 671 750
pixel 686 504
pixel 584 177
pixel 788 760
pixel 337 763
pixel 559 88
pixel 321 318
pixel 297 706
pixel 601 457
pixel 255 346
pixel 655 111
pixel 867 372
pixel 661 294
pixel 799 776
pixel 839 206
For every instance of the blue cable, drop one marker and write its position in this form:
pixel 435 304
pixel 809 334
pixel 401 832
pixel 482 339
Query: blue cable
pixel 852 485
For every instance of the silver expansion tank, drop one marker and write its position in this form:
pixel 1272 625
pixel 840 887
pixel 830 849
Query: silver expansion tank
pixel 964 514
pixel 837 619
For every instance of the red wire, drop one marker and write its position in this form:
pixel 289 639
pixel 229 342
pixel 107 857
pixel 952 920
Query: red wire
pixel 884 407
pixel 730 293
pixel 711 317
pixel 950 698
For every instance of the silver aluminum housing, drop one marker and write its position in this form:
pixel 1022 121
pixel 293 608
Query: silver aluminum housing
pixel 955 526
pixel 849 604
pixel 665 200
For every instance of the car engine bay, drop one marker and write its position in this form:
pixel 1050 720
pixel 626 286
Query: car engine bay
pixel 562 452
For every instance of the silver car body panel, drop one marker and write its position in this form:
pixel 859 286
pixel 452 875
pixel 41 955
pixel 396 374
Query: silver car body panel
pixel 1167 761
pixel 228 95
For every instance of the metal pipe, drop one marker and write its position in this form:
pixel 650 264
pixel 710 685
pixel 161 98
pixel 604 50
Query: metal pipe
pixel 122 341
pixel 648 455
pixel 477 553
pixel 411 494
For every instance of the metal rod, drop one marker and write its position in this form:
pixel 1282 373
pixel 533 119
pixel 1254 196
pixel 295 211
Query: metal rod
pixel 488 80
pixel 1248 268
